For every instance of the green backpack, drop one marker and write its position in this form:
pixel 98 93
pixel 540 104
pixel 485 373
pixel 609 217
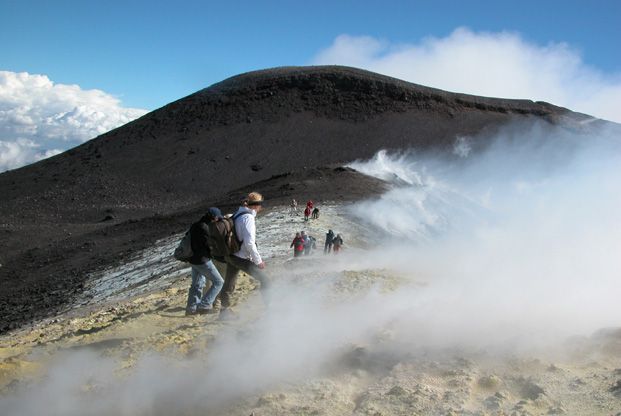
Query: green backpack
pixel 222 240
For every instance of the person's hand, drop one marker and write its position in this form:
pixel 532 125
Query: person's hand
pixel 261 265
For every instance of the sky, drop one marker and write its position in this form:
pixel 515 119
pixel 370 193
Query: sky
pixel 72 70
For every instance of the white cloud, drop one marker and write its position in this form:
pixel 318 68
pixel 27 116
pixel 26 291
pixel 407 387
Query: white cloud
pixel 39 118
pixel 22 152
pixel 488 64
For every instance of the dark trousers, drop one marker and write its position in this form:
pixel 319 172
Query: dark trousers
pixel 233 265
pixel 326 249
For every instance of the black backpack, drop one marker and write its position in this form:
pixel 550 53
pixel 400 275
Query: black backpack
pixel 184 252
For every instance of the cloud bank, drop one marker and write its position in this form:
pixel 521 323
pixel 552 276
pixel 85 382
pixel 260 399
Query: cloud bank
pixel 488 64
pixel 39 118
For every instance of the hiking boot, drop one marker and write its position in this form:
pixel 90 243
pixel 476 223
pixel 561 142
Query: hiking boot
pixel 205 310
pixel 190 312
pixel 228 315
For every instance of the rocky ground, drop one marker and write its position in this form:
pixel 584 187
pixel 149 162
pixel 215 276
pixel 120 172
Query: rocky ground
pixel 128 348
pixel 54 261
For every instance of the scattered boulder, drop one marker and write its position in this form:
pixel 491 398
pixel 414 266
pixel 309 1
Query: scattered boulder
pixel 489 382
pixel 530 390
pixel 397 391
pixel 494 402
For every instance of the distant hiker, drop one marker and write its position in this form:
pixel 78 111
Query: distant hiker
pixel 338 243
pixel 305 240
pixel 247 258
pixel 203 267
pixel 309 244
pixel 294 207
pixel 307 213
pixel 329 238
pixel 315 213
pixel 298 245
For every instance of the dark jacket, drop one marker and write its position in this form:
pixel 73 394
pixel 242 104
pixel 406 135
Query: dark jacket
pixel 199 236
pixel 329 238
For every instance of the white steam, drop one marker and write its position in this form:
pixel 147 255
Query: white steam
pixel 521 238
pixel 505 248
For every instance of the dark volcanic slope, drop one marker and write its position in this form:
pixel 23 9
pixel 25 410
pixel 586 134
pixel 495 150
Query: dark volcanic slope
pixel 81 208
pixel 246 129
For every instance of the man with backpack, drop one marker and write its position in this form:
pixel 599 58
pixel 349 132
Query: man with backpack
pixel 309 243
pixel 329 241
pixel 338 243
pixel 203 267
pixel 315 213
pixel 247 258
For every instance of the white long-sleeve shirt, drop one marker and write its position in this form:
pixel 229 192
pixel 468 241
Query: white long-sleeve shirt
pixel 246 233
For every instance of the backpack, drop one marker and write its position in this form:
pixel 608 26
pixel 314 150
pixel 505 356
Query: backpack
pixel 184 252
pixel 222 239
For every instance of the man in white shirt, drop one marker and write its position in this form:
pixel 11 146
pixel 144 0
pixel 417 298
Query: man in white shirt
pixel 247 258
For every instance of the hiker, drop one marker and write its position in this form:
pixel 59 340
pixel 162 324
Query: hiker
pixel 328 245
pixel 307 213
pixel 294 207
pixel 338 243
pixel 298 245
pixel 203 267
pixel 315 213
pixel 247 258
pixel 309 243
pixel 305 241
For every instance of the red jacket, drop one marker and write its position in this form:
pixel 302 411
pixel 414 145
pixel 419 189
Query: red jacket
pixel 298 243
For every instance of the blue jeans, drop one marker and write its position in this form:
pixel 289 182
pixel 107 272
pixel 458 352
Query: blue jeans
pixel 196 299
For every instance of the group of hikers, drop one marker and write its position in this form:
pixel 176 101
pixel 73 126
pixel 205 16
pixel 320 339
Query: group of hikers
pixel 206 249
pixel 309 211
pixel 333 243
pixel 231 242
pixel 303 243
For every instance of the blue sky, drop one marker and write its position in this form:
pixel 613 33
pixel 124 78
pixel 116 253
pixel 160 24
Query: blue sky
pixel 141 55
